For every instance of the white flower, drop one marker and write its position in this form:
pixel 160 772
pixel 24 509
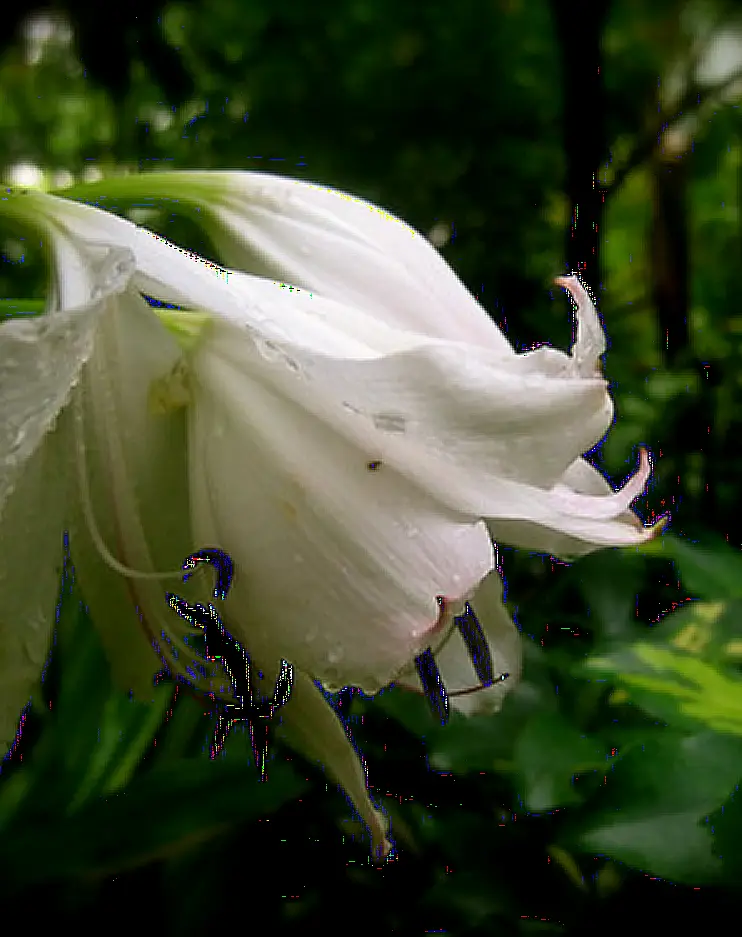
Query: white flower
pixel 385 420
pixel 369 424
pixel 93 440
pixel 348 469
pixel 353 443
pixel 81 450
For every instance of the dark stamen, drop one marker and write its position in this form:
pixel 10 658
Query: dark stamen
pixel 477 646
pixel 433 688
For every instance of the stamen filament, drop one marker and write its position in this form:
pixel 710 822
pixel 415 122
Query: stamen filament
pixel 87 504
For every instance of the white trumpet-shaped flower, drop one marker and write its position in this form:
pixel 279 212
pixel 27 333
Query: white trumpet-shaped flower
pixel 389 427
pixel 353 441
pixel 93 440
pixel 82 450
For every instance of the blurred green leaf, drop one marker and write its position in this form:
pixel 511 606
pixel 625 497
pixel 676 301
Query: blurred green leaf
pixel 709 570
pixel 609 581
pixel 672 771
pixel 177 806
pixel 656 801
pixel 675 686
pixel 673 845
pixel 548 754
pixel 19 308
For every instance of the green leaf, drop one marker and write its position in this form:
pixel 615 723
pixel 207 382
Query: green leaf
pixel 13 308
pixel 609 581
pixel 656 803
pixel 712 569
pixel 675 686
pixel 673 845
pixel 177 806
pixel 674 772
pixel 548 754
pixel 125 732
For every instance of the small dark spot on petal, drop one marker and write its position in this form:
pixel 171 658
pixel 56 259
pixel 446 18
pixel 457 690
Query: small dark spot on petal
pixel 373 466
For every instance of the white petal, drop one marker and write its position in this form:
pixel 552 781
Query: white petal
pixel 162 269
pixel 590 343
pixel 476 448
pixel 344 562
pixel 468 410
pixel 40 362
pixel 583 535
pixel 134 462
pixel 31 549
pixel 310 726
pixel 332 243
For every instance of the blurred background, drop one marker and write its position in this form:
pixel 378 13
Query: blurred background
pixel 527 140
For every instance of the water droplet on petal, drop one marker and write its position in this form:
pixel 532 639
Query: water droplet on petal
pixel 257 314
pixel 267 349
pixel 35 644
pixel 335 655
pixel 272 352
pixel 390 422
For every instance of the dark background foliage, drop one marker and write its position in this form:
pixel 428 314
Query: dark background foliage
pixel 528 140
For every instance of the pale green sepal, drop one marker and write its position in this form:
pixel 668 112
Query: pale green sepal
pixel 137 475
pixel 310 726
pixel 186 326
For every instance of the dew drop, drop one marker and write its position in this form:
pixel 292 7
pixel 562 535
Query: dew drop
pixel 267 349
pixel 271 352
pixel 390 422
pixel 17 441
pixel 35 646
pixel 335 655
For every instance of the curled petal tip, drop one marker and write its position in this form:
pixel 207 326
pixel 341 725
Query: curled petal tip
pixel 653 530
pixel 644 471
pixel 659 526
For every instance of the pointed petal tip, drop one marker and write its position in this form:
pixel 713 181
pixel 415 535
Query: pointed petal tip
pixel 573 285
pixel 382 850
pixel 650 531
pixel 638 482
pixel 659 526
